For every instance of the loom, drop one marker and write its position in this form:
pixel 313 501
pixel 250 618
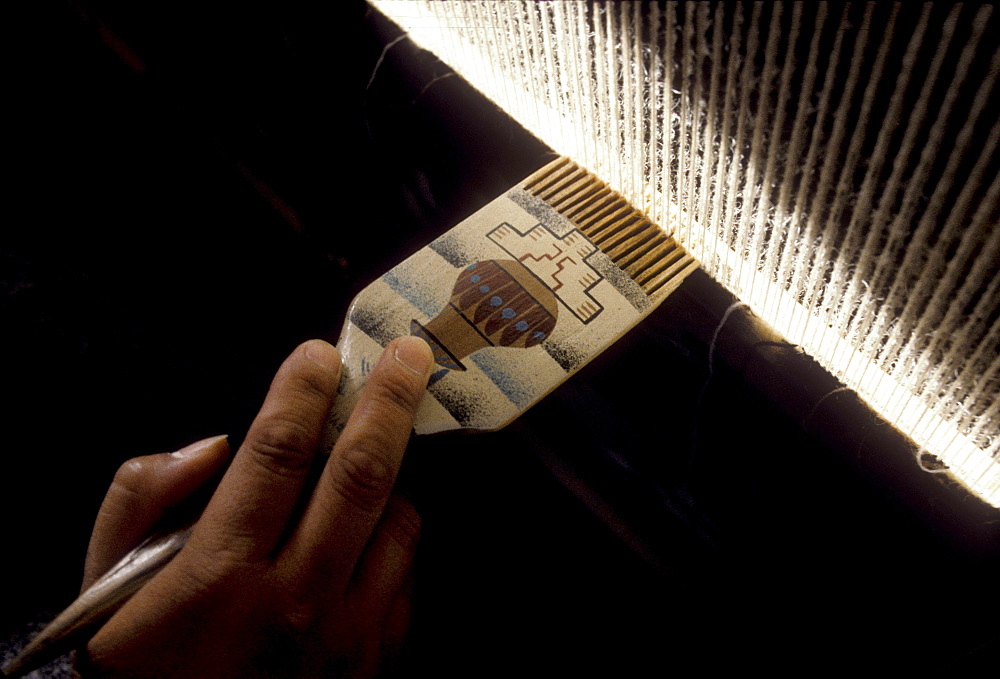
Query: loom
pixel 832 165
pixel 701 526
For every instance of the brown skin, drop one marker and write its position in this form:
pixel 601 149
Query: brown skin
pixel 263 589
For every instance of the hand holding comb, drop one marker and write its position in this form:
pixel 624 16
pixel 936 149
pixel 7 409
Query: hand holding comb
pixel 512 301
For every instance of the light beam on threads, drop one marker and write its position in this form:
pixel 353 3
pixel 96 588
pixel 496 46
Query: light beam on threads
pixel 826 234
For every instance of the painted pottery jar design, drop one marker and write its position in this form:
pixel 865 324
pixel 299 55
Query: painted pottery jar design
pixel 495 303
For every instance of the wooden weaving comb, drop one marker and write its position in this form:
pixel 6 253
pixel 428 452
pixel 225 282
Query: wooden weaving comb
pixel 513 300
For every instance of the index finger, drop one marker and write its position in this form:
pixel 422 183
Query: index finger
pixel 358 479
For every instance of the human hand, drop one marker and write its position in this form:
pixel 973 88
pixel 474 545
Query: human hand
pixel 280 577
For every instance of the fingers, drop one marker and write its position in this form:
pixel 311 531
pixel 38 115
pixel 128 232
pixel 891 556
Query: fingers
pixel 384 570
pixel 269 573
pixel 397 624
pixel 359 476
pixel 380 593
pixel 142 490
pixel 249 512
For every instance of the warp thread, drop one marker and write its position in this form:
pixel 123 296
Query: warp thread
pixel 832 164
pixel 715 337
pixel 426 87
pixel 711 357
pixel 381 58
pixel 805 420
pixel 918 454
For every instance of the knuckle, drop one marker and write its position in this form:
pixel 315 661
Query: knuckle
pixel 283 445
pixel 204 573
pixel 213 555
pixel 315 388
pixel 131 478
pixel 404 525
pixel 395 398
pixel 298 613
pixel 293 622
pixel 363 478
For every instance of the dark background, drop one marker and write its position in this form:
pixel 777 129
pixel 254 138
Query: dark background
pixel 192 192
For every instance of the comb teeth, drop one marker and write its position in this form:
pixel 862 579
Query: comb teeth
pixel 635 244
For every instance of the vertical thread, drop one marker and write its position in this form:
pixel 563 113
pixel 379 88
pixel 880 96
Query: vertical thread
pixel 846 187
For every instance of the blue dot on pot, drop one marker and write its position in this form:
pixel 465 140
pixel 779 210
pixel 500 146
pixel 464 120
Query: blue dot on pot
pixel 508 313
pixel 539 335
pixel 521 326
pixel 495 300
pixel 476 278
pixel 484 289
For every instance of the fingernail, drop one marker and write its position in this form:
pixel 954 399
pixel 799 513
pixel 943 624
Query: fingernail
pixel 414 354
pixel 323 354
pixel 198 447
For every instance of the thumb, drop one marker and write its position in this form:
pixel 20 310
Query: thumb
pixel 143 489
